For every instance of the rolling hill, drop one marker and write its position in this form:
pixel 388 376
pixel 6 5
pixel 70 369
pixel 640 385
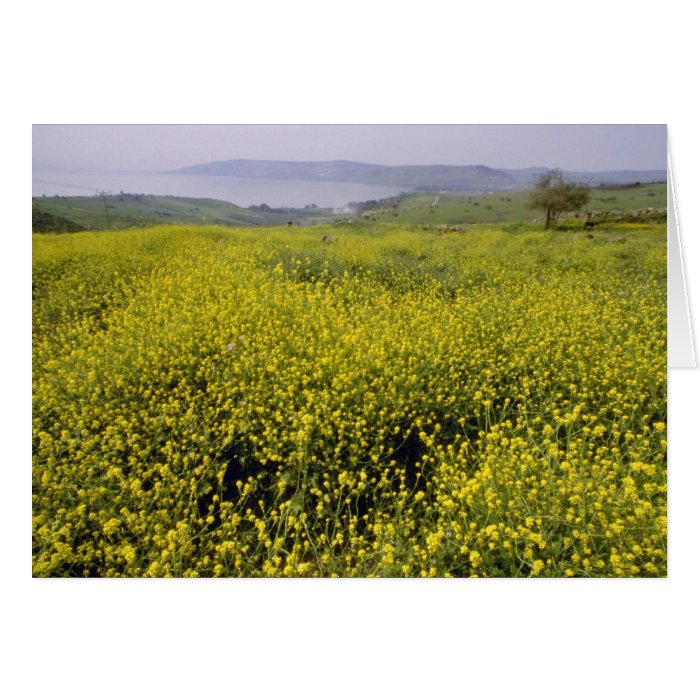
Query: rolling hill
pixel 462 178
pixel 455 177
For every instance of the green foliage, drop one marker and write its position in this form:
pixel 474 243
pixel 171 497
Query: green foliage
pixel 555 195
pixel 45 222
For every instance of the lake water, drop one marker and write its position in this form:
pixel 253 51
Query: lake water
pixel 238 190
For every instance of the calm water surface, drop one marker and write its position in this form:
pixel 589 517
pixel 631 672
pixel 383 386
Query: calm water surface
pixel 239 190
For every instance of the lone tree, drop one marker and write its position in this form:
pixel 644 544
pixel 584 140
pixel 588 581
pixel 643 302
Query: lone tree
pixel 556 195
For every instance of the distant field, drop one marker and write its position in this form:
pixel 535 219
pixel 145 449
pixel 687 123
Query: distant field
pixel 137 210
pixel 350 400
pixel 419 209
pixel 500 207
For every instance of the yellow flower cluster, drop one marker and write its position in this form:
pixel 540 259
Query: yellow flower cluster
pixel 222 402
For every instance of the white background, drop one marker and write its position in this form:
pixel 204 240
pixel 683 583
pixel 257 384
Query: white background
pixel 363 62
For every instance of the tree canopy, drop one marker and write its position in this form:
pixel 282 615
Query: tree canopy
pixel 555 195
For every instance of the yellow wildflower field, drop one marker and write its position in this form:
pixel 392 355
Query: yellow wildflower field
pixel 349 402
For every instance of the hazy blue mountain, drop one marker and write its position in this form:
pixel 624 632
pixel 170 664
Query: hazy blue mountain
pixel 414 177
pixel 527 176
pixel 457 177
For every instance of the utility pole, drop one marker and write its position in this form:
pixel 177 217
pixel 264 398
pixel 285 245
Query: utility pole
pixel 104 194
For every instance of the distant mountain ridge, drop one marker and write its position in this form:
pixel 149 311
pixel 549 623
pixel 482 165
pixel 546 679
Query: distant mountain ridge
pixel 527 176
pixel 417 177
pixel 465 177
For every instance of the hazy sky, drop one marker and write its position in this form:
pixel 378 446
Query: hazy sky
pixel 166 147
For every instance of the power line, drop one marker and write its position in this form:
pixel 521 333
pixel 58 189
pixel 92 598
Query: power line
pixel 64 184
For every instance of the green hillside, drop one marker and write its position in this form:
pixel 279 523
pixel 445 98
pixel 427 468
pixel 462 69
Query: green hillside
pixel 431 209
pixel 137 210
pixel 451 208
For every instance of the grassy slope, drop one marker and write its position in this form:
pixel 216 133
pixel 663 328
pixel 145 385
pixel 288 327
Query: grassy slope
pixel 508 207
pixel 141 210
pixel 412 210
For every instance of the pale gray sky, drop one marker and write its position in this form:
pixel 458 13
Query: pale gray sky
pixel 166 147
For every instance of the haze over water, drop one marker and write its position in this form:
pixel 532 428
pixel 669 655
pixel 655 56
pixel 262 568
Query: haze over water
pixel 140 159
pixel 241 191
